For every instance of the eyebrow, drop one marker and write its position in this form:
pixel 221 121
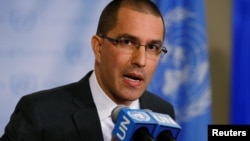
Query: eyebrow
pixel 129 36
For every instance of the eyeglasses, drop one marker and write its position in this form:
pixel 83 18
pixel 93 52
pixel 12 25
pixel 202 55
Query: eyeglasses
pixel 129 45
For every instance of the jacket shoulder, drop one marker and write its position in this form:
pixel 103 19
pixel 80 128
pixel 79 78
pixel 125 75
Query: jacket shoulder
pixel 155 103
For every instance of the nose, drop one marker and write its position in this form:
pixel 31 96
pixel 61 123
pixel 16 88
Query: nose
pixel 139 57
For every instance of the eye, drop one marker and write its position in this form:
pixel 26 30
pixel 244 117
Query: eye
pixel 154 47
pixel 127 42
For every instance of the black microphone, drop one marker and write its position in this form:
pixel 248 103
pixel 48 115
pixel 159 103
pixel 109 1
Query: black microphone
pixel 142 134
pixel 132 124
pixel 165 135
pixel 168 129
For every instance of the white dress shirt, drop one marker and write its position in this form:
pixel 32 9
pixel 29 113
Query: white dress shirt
pixel 105 106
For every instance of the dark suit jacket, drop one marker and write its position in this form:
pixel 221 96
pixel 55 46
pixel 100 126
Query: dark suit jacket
pixel 66 113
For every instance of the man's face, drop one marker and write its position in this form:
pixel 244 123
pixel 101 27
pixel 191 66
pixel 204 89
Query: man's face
pixel 125 76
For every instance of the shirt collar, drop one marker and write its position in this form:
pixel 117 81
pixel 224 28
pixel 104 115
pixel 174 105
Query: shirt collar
pixel 103 103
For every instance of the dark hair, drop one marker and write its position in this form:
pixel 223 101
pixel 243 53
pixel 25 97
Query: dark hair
pixel 109 14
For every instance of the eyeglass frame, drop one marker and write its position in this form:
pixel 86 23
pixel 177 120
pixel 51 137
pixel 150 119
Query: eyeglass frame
pixel 115 41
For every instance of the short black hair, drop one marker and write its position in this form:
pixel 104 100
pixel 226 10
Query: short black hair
pixel 108 17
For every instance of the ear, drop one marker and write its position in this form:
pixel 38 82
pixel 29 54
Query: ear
pixel 96 47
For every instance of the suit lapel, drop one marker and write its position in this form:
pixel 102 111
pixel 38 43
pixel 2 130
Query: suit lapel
pixel 143 101
pixel 86 117
pixel 88 124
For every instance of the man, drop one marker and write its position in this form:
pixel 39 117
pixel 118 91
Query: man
pixel 127 49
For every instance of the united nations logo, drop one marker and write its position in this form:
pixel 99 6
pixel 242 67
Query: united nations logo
pixel 23 83
pixel 22 19
pixel 73 52
pixel 185 67
pixel 139 115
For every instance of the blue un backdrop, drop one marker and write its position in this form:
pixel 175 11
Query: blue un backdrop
pixel 183 74
pixel 44 43
pixel 47 43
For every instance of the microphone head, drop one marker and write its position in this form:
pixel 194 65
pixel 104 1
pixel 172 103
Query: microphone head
pixel 142 134
pixel 132 123
pixel 115 112
pixel 167 126
pixel 165 135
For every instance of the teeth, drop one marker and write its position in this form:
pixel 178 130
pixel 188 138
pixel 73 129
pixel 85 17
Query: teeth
pixel 131 79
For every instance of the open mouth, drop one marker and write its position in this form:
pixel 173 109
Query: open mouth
pixel 133 77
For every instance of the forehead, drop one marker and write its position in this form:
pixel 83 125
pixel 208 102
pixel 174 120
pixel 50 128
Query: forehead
pixel 140 24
